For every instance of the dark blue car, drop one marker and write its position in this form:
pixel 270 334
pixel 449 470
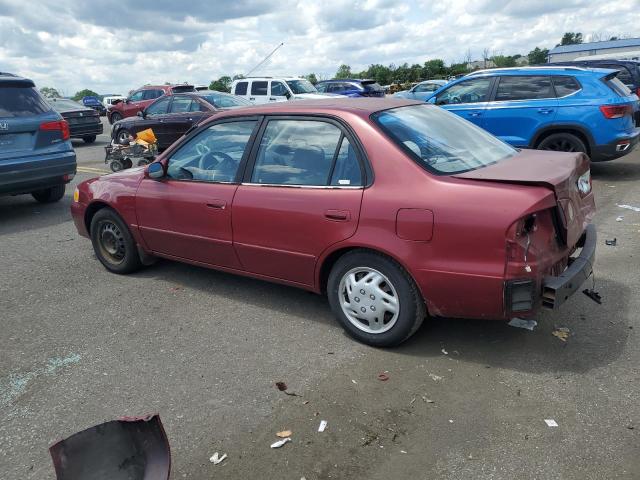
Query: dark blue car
pixel 570 109
pixel 351 87
pixel 36 155
pixel 95 104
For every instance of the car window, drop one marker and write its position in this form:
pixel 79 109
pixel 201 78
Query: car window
pixel 617 86
pixel 426 87
pixel 21 101
pixel 296 152
pixel 224 100
pixel 469 91
pixel 524 88
pixel 258 88
pixel 214 154
pixel 346 171
pixel 159 107
pixel 136 96
pixel 197 106
pixel 321 87
pixel 441 141
pixel 565 85
pixel 180 105
pixel 623 75
pixel 241 88
pixel 149 95
pixel 334 87
pixel 278 89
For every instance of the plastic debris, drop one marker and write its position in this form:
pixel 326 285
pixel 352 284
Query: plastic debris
pixel 450 421
pixel 550 422
pixel 444 351
pixel 284 434
pixel 562 333
pixel 620 218
pixel 216 459
pixel 354 382
pixel 322 426
pixel 434 377
pixel 383 377
pixel 593 295
pixel 629 207
pixel 523 323
pixel 280 443
pixel 611 243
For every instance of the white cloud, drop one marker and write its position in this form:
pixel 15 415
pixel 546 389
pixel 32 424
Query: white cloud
pixel 115 46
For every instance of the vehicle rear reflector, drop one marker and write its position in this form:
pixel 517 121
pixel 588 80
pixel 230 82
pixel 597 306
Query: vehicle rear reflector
pixel 60 125
pixel 616 111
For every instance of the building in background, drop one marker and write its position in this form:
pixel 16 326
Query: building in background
pixel 626 49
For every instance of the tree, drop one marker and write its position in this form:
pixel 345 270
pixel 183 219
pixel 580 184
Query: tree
pixel 344 71
pixel 434 68
pixel 312 78
pixel 223 84
pixel 571 38
pixel 85 93
pixel 49 92
pixel 538 55
pixel 503 61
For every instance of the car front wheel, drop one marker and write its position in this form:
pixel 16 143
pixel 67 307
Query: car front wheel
pixel 375 299
pixel 113 243
pixel 115 117
pixel 49 195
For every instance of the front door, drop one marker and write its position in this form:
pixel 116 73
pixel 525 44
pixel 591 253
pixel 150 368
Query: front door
pixel 301 196
pixel 278 92
pixel 467 99
pixel 187 214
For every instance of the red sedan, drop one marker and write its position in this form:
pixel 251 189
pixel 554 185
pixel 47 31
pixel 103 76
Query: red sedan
pixel 392 208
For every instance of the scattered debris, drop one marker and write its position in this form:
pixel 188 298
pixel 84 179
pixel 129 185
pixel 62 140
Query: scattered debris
pixel 322 426
pixel 519 392
pixel 550 422
pixel 280 443
pixel 523 323
pixel 427 400
pixel 620 218
pixel 444 351
pixel 450 421
pixel 630 426
pixel 305 402
pixel 593 295
pixel 370 438
pixel 434 377
pixel 611 243
pixel 629 207
pixel 402 451
pixel 216 459
pixel 283 388
pixel 412 401
pixel 284 434
pixel 354 382
pixel 383 377
pixel 562 333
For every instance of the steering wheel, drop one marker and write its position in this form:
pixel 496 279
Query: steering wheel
pixel 224 160
pixel 202 149
pixel 456 100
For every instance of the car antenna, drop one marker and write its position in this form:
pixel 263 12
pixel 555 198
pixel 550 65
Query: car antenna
pixel 264 59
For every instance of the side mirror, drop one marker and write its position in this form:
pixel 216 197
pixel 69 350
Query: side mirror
pixel 127 101
pixel 155 171
pixel 141 114
pixel 287 94
pixel 432 100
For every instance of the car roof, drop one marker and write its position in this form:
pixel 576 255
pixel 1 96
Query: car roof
pixel 348 80
pixel 540 70
pixel 6 78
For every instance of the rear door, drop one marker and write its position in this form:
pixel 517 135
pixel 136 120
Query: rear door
pixel 179 119
pixel 522 105
pixel 300 195
pixel 241 89
pixel 259 91
pixel 467 99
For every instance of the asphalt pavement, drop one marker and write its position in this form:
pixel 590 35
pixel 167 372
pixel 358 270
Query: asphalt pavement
pixel 464 399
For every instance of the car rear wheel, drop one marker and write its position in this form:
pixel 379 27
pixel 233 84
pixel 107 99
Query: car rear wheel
pixel 113 243
pixel 375 299
pixel 89 139
pixel 49 195
pixel 123 136
pixel 115 117
pixel 562 142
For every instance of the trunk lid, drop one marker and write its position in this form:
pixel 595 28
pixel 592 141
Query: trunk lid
pixel 556 171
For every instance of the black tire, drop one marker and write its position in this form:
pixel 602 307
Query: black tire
pixel 89 139
pixel 411 309
pixel 115 117
pixel 122 137
pixel 562 142
pixel 49 195
pixel 112 242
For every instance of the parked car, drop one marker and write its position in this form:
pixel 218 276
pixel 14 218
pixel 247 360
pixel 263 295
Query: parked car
pixel 422 90
pixel 372 226
pixel 95 104
pixel 549 108
pixel 351 88
pixel 628 70
pixel 83 122
pixel 111 100
pixel 172 116
pixel 275 89
pixel 36 155
pixel 141 98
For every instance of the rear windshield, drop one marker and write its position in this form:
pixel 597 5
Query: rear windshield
pixel 21 102
pixel 62 104
pixel 440 141
pixel 182 88
pixel 617 86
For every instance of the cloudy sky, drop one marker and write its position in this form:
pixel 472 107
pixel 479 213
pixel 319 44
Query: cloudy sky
pixel 113 46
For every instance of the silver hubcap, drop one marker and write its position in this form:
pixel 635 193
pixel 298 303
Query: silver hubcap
pixel 369 300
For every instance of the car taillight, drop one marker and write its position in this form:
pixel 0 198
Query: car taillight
pixel 60 125
pixel 584 183
pixel 616 111
pixel 638 91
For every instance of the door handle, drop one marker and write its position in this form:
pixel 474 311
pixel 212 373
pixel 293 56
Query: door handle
pixel 272 99
pixel 545 110
pixel 338 215
pixel 217 204
pixel 475 114
pixel 252 98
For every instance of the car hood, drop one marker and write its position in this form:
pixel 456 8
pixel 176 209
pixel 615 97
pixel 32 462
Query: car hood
pixel 402 94
pixel 557 171
pixel 316 96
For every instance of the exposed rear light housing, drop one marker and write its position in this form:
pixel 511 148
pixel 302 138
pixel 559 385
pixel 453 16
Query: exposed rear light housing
pixel 584 183
pixel 59 125
pixel 616 111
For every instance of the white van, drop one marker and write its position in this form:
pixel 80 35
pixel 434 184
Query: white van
pixel 275 89
pixel 108 101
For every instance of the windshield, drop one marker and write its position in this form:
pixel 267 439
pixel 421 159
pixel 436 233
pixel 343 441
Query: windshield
pixel 441 141
pixel 301 86
pixel 225 101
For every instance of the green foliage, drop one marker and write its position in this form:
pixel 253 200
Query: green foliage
pixel 344 72
pixel 571 38
pixel 312 78
pixel 49 92
pixel 502 61
pixel 223 84
pixel 538 55
pixel 84 93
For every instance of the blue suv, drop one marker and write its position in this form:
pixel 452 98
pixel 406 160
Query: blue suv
pixel 36 155
pixel 569 109
pixel 351 87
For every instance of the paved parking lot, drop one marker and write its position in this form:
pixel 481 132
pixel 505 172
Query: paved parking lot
pixel 80 346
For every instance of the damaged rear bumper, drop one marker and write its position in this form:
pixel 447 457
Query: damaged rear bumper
pixel 556 290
